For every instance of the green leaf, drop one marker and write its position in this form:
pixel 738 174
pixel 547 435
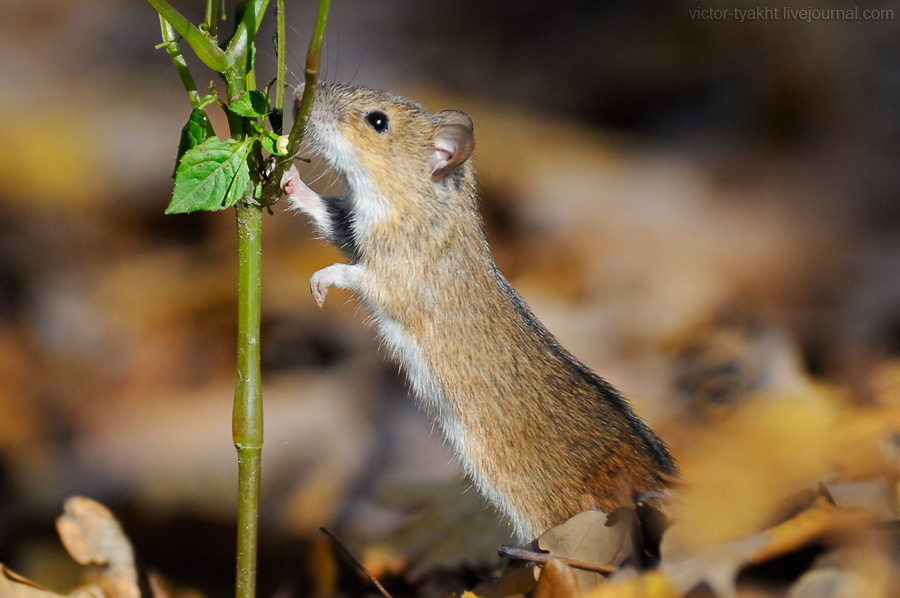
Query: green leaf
pixel 194 132
pixel 274 144
pixel 212 176
pixel 253 104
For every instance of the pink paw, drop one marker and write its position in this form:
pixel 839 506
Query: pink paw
pixel 290 182
pixel 319 284
pixel 342 276
pixel 302 197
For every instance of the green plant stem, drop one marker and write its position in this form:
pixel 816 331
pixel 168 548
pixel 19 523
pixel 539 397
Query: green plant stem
pixel 247 417
pixel 281 62
pixel 209 20
pixel 204 46
pixel 247 413
pixel 272 189
pixel 239 7
pixel 236 66
pixel 171 44
pixel 250 15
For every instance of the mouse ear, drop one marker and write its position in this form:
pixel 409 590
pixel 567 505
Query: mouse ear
pixel 453 144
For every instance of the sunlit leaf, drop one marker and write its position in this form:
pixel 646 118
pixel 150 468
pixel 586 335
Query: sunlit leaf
pixel 253 104
pixel 194 132
pixel 212 176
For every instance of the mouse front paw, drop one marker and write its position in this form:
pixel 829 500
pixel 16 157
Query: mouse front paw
pixel 302 198
pixel 342 276
pixel 318 284
pixel 295 190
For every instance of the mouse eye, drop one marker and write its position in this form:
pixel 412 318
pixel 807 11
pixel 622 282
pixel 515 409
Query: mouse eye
pixel 378 121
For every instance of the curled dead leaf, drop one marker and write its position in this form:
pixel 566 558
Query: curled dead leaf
pixel 602 541
pixel 92 535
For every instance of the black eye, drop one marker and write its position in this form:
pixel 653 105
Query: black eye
pixel 378 121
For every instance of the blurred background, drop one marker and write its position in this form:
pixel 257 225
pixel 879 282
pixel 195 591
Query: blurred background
pixel 700 206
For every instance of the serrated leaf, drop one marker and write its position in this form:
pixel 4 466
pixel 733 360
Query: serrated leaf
pixel 253 104
pixel 195 131
pixel 212 176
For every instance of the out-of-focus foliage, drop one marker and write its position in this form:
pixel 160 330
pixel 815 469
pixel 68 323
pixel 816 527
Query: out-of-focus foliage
pixel 702 211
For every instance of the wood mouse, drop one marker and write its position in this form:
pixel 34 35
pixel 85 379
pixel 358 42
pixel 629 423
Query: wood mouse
pixel 541 435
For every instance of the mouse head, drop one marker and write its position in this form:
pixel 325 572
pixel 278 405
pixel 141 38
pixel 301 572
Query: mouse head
pixel 377 135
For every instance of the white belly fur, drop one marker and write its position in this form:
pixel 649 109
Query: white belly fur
pixel 428 391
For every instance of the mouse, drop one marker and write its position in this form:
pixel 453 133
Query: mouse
pixel 541 435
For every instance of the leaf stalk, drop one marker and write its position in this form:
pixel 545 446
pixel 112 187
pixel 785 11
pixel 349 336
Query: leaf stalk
pixel 203 45
pixel 272 189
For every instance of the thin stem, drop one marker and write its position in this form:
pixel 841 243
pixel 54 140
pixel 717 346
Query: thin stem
pixel 311 76
pixel 250 78
pixel 272 189
pixel 523 554
pixel 349 554
pixel 250 17
pixel 281 63
pixel 210 23
pixel 239 7
pixel 171 44
pixel 205 47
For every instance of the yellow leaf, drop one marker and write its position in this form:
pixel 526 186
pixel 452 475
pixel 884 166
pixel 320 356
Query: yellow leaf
pixel 820 519
pixel 651 585
pixel 739 474
pixel 13 585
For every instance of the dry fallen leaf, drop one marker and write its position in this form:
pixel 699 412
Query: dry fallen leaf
pixel 850 572
pixel 517 581
pixel 829 583
pixel 557 580
pixel 821 519
pixel 605 541
pixel 92 535
pixel 865 444
pixel 874 495
pixel 13 585
pixel 719 565
pixel 738 474
pixel 651 585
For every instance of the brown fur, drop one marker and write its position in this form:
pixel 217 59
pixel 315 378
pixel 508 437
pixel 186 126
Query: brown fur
pixel 541 435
